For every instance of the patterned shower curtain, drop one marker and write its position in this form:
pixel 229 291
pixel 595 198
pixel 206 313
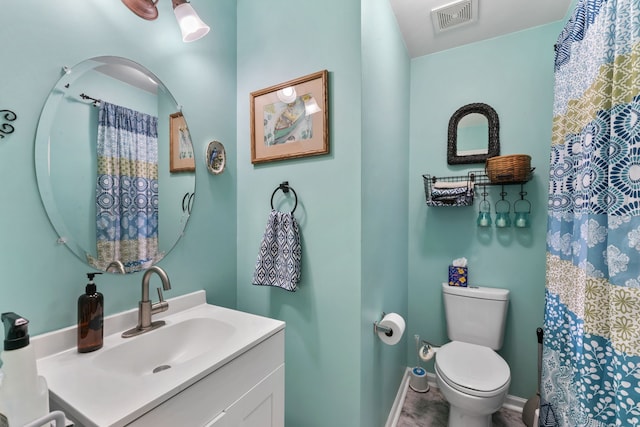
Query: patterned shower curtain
pixel 591 355
pixel 127 188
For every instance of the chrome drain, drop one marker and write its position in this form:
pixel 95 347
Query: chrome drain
pixel 161 368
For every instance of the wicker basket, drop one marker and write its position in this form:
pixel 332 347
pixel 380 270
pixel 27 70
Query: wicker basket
pixel 512 168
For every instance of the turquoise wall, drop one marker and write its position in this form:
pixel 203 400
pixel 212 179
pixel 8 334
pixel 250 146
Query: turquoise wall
pixel 513 74
pixel 42 280
pixel 352 203
pixel 277 41
pixel 385 201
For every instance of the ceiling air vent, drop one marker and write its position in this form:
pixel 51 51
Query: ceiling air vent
pixel 454 14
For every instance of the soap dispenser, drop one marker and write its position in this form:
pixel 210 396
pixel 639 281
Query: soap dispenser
pixel 24 396
pixel 90 317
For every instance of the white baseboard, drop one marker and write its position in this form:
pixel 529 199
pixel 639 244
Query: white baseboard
pixel 513 403
pixel 394 414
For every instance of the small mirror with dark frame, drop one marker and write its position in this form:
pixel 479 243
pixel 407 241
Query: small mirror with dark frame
pixel 473 134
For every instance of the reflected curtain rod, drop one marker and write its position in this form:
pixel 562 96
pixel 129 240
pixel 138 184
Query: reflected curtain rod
pixel 95 101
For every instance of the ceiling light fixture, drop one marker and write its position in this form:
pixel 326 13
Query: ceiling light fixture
pixel 191 25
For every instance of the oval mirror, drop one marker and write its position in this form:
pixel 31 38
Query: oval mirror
pixel 108 139
pixel 473 134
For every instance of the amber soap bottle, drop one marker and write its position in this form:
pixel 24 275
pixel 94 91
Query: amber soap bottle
pixel 90 317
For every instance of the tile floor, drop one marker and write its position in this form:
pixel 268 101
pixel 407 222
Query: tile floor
pixel 431 410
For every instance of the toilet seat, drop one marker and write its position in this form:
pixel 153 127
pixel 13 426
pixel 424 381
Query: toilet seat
pixel 472 369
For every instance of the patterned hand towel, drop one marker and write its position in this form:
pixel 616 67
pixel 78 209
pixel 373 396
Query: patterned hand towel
pixel 280 253
pixel 461 196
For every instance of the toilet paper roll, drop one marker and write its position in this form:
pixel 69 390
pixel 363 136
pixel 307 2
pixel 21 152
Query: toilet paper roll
pixel 427 352
pixel 395 322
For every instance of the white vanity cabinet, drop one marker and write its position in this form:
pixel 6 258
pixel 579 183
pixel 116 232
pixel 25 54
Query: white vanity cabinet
pixel 207 366
pixel 246 392
pixel 262 406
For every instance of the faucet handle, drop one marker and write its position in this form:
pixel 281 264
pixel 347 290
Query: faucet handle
pixel 161 305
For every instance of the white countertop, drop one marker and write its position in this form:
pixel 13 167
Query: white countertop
pixel 104 397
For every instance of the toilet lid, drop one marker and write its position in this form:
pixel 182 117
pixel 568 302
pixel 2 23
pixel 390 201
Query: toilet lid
pixel 472 366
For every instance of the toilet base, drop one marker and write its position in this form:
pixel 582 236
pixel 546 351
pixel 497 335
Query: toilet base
pixel 458 418
pixel 469 411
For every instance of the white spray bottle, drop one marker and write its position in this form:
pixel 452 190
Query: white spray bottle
pixel 23 393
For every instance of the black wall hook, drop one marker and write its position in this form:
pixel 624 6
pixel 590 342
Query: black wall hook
pixel 6 128
pixel 284 186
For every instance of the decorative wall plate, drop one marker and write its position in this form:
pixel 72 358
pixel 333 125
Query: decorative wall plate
pixel 215 157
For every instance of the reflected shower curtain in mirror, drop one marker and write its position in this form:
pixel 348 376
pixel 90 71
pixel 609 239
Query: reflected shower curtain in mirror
pixel 127 188
pixel 591 355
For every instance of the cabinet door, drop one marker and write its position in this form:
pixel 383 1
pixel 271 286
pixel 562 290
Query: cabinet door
pixel 219 421
pixel 262 406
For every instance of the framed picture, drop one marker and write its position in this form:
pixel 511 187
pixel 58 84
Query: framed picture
pixel 181 158
pixel 291 119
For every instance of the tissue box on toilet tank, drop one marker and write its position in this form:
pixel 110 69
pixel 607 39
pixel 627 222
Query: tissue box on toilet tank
pixel 457 276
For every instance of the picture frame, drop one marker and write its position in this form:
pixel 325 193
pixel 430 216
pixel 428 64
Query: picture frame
pixel 181 156
pixel 291 119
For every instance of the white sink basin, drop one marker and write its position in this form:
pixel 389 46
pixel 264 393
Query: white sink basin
pixel 165 348
pixel 117 384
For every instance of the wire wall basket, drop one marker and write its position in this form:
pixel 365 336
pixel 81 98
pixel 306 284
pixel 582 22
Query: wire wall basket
pixel 449 190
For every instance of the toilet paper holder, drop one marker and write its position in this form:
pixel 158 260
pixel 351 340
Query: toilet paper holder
pixel 377 327
pixel 427 350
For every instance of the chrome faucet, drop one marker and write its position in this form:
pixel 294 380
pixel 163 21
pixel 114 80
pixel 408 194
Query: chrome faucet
pixel 145 308
pixel 118 265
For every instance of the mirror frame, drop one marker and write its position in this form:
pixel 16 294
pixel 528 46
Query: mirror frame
pixel 493 147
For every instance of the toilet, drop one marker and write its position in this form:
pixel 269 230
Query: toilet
pixel 472 377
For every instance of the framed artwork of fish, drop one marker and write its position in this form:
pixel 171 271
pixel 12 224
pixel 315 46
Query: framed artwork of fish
pixel 291 119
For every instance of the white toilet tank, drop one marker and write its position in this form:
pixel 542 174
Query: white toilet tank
pixel 476 315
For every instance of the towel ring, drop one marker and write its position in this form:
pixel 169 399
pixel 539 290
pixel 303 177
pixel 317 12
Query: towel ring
pixel 285 189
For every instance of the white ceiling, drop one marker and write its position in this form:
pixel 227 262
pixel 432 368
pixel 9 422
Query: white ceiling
pixel 495 18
